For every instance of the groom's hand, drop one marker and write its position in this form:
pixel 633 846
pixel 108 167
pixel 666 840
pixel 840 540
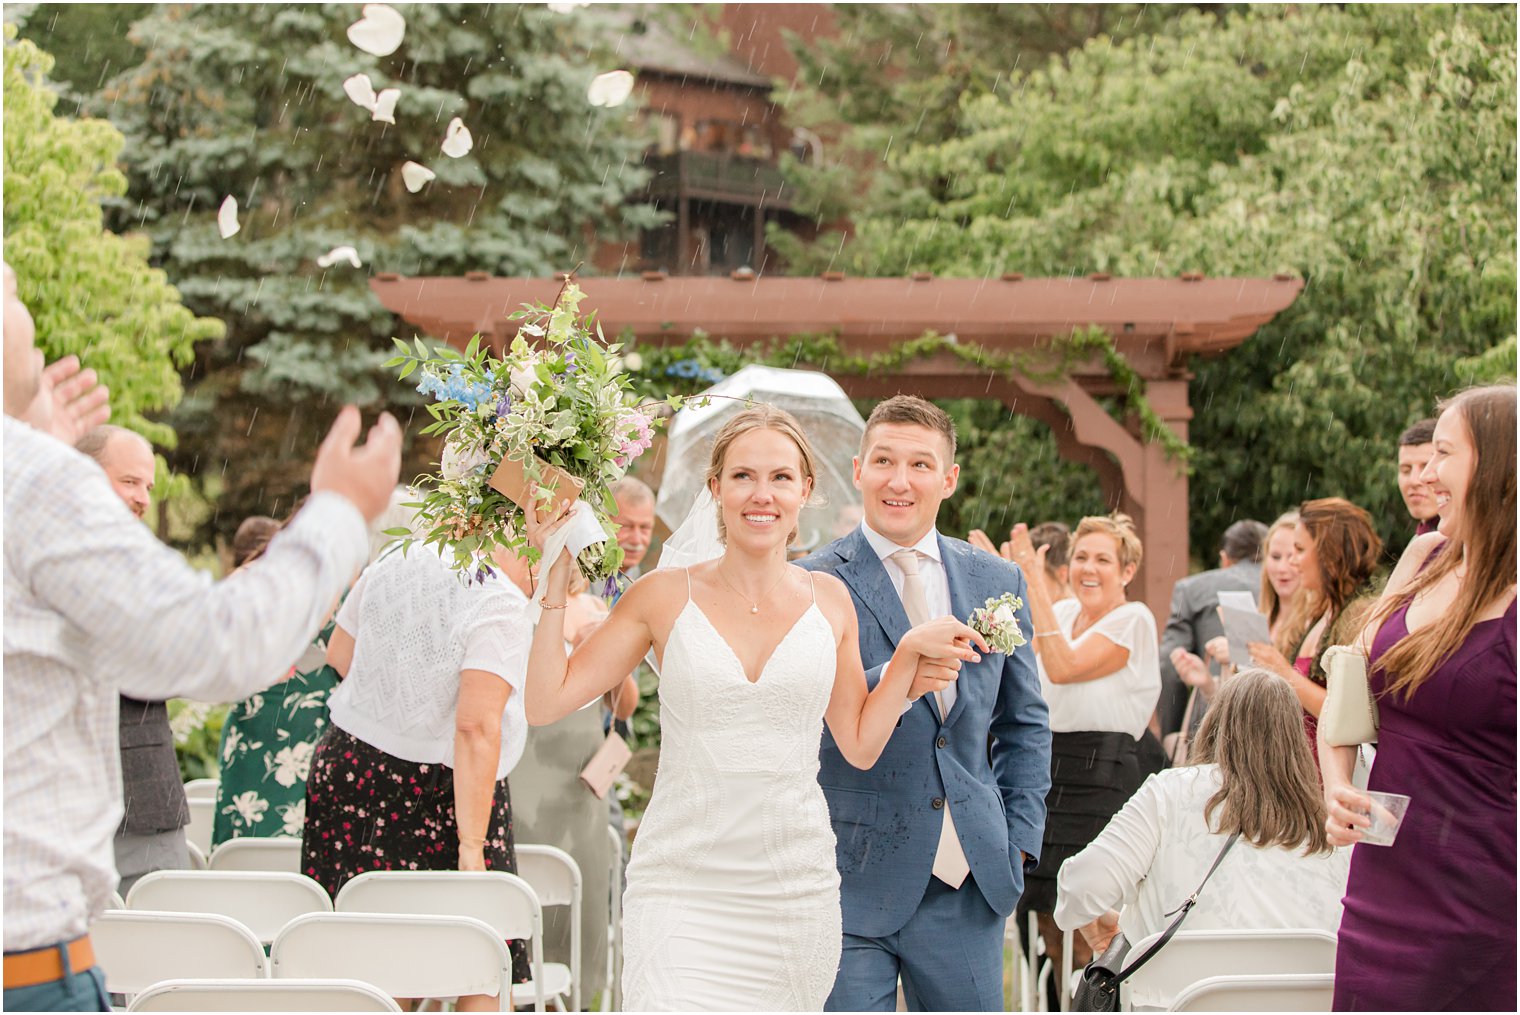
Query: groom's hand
pixel 932 676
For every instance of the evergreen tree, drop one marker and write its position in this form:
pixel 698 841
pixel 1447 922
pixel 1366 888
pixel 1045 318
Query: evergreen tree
pixel 248 100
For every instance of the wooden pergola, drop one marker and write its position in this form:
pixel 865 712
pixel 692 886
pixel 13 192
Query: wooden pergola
pixel 1156 324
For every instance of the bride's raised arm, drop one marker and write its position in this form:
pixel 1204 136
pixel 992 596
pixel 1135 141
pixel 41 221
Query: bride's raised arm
pixel 558 685
pixel 862 718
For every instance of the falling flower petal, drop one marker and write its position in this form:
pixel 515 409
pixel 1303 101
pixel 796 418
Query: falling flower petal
pixel 337 254
pixel 610 89
pixel 565 8
pixel 416 176
pixel 360 90
pixel 384 109
pixel 457 140
pixel 226 218
pixel 379 32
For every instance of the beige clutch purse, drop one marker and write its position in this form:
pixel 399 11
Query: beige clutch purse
pixel 1349 716
pixel 603 768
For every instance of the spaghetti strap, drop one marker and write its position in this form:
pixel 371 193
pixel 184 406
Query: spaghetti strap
pixel 687 570
pixel 813 585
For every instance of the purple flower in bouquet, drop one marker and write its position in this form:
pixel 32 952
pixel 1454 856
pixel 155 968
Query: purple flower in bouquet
pixel 505 405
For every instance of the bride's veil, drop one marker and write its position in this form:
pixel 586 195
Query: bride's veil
pixel 695 540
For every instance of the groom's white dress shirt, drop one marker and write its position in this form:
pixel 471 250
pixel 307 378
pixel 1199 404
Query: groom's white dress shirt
pixel 95 605
pixel 936 584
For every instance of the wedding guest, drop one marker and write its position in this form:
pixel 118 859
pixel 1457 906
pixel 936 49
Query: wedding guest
pixel 96 607
pixel 1336 552
pixel 1416 448
pixel 411 772
pixel 635 522
pixel 1195 610
pixel 552 806
pixel 1250 773
pixel 1430 920
pixel 1100 674
pixel 1278 595
pixel 269 738
pixel 252 535
pixel 151 835
pixel 1056 536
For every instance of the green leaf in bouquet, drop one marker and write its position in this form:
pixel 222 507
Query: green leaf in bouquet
pixel 422 350
pixel 472 346
pixel 406 350
pixel 406 370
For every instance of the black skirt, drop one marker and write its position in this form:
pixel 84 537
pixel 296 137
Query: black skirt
pixel 1092 775
pixel 367 810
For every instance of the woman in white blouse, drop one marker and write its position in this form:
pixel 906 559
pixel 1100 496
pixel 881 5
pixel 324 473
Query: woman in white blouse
pixel 1100 671
pixel 428 721
pixel 1252 774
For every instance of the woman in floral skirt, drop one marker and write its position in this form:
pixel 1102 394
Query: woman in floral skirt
pixel 411 773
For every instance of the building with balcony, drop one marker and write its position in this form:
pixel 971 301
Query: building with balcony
pixel 717 137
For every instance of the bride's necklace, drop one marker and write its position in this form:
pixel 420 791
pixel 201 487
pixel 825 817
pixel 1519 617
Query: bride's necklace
pixel 754 604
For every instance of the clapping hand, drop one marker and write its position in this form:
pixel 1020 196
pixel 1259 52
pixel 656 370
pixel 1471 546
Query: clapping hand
pixel 980 540
pixel 1218 649
pixel 364 473
pixel 1193 670
pixel 1268 657
pixel 70 401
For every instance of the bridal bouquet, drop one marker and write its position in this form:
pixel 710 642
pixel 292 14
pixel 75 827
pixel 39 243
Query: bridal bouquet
pixel 561 416
pixel 998 622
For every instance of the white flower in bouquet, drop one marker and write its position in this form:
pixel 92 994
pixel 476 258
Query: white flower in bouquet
pixel 459 462
pixel 998 622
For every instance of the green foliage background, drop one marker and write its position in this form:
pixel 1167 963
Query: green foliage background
pixel 1369 148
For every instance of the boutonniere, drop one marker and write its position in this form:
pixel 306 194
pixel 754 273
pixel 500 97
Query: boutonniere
pixel 998 622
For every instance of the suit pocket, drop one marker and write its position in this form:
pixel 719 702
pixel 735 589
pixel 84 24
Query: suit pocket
pixel 853 813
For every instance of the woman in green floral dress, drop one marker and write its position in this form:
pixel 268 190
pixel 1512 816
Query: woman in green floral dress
pixel 267 746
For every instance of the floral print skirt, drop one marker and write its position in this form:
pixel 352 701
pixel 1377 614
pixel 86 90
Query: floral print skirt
pixel 367 810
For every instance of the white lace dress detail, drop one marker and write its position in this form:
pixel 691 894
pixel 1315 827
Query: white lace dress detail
pixel 733 895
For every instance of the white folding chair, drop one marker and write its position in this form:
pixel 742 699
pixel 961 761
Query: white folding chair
pixel 202 823
pixel 612 996
pixel 263 995
pixel 255 854
pixel 202 789
pixel 401 954
pixel 503 901
pixel 117 902
pixel 198 861
pixel 1282 992
pixel 262 901
pixel 556 878
pixel 1228 953
pixel 136 948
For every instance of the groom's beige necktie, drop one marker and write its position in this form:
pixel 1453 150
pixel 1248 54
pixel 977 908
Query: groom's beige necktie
pixel 949 859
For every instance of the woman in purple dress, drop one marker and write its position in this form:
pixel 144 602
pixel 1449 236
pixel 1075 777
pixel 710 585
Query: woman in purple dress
pixel 1429 922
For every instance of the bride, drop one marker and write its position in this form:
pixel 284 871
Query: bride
pixel 733 896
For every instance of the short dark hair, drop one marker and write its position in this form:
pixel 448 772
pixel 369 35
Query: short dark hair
pixel 252 535
pixel 1422 432
pixel 1057 536
pixel 914 411
pixel 1243 541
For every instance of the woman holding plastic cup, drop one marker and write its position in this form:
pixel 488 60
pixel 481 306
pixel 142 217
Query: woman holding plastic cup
pixel 1430 920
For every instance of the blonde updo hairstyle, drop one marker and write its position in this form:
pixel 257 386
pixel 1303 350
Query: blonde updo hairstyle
pixel 1118 525
pixel 760 417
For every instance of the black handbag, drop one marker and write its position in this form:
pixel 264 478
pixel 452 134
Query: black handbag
pixel 1098 989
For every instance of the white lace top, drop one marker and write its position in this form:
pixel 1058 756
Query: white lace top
pixel 1156 850
pixel 416 625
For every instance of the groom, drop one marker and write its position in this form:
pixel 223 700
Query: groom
pixel 933 842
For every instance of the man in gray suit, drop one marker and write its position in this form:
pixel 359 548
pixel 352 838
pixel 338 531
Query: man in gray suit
pixel 1194 620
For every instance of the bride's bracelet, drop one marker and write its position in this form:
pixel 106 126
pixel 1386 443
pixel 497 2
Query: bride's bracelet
pixel 471 842
pixel 549 606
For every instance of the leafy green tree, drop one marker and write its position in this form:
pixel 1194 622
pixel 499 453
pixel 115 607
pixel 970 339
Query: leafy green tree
pixel 248 100
pixel 1369 148
pixel 90 292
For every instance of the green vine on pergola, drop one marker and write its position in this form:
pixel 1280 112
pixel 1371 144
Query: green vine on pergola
pixel 656 376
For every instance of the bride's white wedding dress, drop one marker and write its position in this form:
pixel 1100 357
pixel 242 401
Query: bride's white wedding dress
pixel 733 896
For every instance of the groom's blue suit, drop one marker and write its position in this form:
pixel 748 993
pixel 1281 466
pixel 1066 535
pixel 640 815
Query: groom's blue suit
pixel 990 758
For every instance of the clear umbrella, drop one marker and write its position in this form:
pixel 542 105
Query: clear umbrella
pixel 827 417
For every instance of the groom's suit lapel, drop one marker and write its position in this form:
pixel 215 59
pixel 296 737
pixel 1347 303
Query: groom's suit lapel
pixel 956 560
pixel 869 582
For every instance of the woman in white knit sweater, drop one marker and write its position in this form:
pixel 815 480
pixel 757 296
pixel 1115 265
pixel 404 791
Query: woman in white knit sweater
pixel 1252 774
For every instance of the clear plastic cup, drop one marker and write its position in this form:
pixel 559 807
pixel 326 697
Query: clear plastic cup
pixel 1387 814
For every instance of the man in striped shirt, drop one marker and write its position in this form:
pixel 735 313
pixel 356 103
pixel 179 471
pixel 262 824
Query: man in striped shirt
pixel 95 607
